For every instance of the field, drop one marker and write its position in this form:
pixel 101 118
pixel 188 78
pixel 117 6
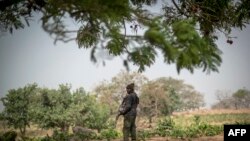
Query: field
pixel 197 125
pixel 211 117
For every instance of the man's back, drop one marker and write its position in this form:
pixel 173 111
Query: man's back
pixel 130 102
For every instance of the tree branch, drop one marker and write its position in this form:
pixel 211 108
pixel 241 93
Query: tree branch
pixel 6 3
pixel 124 25
pixel 177 7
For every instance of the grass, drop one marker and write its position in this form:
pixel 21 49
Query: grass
pixel 214 119
pixel 182 120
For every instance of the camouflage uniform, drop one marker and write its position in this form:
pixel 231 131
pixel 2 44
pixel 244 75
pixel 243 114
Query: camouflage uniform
pixel 129 105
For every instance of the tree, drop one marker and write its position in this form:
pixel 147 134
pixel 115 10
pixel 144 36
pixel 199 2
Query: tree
pixel 105 93
pixel 185 32
pixel 50 108
pixel 166 95
pixel 237 100
pixel 242 98
pixel 16 107
pixel 112 93
pixel 189 97
pixel 88 112
pixel 224 100
pixel 174 102
pixel 61 108
pixel 153 98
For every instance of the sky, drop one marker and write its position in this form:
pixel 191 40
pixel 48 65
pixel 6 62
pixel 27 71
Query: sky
pixel 30 55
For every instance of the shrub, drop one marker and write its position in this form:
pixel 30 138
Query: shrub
pixel 47 138
pixel 177 133
pixel 60 136
pixel 9 136
pixel 83 133
pixel 144 134
pixel 165 126
pixel 242 123
pixel 199 128
pixel 109 134
pixel 214 130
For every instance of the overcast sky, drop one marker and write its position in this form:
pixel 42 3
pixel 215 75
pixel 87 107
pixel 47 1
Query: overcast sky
pixel 29 56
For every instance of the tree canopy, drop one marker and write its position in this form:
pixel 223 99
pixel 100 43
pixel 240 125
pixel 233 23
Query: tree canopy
pixel 184 32
pixel 17 107
pixel 53 108
pixel 158 97
pixel 237 100
pixel 62 108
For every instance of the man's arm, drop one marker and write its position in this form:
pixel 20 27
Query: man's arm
pixel 128 105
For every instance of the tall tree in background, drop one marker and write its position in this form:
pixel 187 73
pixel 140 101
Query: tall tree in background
pixel 242 98
pixel 189 97
pixel 184 33
pixel 237 100
pixel 105 92
pixel 153 99
pixel 111 93
pixel 16 107
pixel 166 95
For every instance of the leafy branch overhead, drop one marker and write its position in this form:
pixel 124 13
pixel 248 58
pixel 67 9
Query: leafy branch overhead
pixel 184 32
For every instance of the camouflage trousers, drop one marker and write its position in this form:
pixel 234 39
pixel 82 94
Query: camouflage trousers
pixel 129 128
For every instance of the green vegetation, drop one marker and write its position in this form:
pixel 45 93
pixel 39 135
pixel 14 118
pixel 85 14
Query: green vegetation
pixel 17 103
pixel 8 136
pixel 194 126
pixel 176 127
pixel 65 114
pixel 110 134
pixel 184 32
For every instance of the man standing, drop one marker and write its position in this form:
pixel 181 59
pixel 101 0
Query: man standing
pixel 128 110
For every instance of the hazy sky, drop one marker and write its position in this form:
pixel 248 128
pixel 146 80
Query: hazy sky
pixel 29 55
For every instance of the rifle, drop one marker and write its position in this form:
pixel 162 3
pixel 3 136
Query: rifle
pixel 117 117
pixel 120 109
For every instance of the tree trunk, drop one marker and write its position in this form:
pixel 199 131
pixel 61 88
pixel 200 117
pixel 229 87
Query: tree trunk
pixel 22 131
pixel 150 121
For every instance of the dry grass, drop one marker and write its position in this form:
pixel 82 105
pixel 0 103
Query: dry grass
pixel 213 138
pixel 180 118
pixel 31 131
pixel 185 118
pixel 214 117
pixel 212 112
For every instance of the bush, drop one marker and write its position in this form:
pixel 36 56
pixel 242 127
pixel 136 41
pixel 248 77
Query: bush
pixel 83 133
pixel 144 134
pixel 199 128
pixel 109 134
pixel 242 123
pixel 47 138
pixel 57 136
pixel 212 130
pixel 165 126
pixel 9 136
pixel 178 133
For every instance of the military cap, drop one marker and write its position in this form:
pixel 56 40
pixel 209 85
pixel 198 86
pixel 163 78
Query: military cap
pixel 130 86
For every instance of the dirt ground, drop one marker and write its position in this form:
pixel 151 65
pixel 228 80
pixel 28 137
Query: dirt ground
pixel 214 138
pixel 207 138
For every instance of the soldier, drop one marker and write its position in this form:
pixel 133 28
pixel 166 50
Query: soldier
pixel 128 111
